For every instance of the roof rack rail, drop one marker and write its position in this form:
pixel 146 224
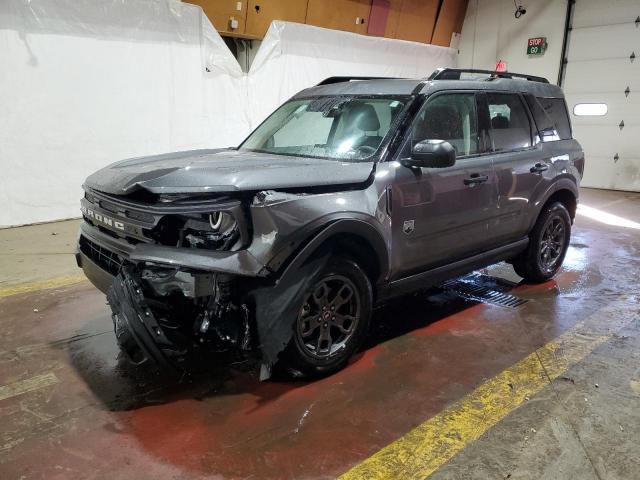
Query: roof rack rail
pixel 330 80
pixel 454 74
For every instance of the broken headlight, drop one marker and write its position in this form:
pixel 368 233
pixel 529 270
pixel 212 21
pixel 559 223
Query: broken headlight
pixel 221 221
pixel 214 231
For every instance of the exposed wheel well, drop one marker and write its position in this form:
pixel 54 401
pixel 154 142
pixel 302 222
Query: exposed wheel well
pixel 567 198
pixel 358 249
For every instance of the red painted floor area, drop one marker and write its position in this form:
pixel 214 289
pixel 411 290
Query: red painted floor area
pixel 107 419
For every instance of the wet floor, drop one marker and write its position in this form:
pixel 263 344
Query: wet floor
pixel 89 414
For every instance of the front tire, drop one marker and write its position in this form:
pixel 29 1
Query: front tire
pixel 332 320
pixel 548 244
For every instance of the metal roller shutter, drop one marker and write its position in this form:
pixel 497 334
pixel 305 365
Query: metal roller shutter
pixel 601 68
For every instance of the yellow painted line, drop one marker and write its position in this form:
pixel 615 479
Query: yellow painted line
pixel 426 448
pixel 28 385
pixel 41 285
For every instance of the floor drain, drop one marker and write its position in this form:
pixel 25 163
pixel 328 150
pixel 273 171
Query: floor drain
pixel 471 288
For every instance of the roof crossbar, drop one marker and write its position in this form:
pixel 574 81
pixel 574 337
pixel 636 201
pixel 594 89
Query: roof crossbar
pixel 454 74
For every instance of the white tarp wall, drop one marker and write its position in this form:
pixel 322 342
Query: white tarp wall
pixel 84 83
pixel 294 56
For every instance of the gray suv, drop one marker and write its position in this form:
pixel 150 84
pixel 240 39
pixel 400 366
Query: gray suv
pixel 352 192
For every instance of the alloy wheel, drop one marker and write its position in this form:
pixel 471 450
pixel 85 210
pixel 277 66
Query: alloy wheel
pixel 552 244
pixel 328 317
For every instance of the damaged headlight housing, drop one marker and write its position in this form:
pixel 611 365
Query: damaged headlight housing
pixel 221 221
pixel 215 231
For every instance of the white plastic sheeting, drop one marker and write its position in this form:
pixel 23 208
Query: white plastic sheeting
pixel 294 56
pixel 84 83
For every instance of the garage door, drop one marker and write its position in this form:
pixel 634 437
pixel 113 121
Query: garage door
pixel 602 86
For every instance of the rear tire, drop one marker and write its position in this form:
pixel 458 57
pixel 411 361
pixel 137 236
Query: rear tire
pixel 548 244
pixel 332 320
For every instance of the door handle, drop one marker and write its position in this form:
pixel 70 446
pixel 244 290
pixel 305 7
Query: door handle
pixel 475 179
pixel 539 168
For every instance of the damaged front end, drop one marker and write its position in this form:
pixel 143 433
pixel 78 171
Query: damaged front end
pixel 188 276
pixel 168 316
pixel 176 272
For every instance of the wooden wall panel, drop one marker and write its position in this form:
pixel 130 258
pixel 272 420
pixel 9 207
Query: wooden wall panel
pixel 417 19
pixel 220 12
pixel 450 20
pixel 339 14
pixel 462 13
pixel 260 13
pixel 412 20
pixel 395 7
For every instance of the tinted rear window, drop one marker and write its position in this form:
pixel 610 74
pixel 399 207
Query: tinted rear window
pixel 556 110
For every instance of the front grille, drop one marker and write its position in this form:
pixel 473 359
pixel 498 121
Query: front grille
pixel 143 217
pixel 105 259
pixel 126 212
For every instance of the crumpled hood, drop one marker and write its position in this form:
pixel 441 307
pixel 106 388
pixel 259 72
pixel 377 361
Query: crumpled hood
pixel 198 171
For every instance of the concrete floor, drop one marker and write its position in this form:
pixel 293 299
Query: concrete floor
pixel 71 407
pixel 38 252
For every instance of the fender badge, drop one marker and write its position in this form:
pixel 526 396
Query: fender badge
pixel 408 226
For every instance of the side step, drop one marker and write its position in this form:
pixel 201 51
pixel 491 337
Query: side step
pixel 438 275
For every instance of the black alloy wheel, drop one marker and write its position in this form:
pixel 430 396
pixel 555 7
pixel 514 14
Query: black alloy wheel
pixel 552 244
pixel 332 320
pixel 329 316
pixel 548 244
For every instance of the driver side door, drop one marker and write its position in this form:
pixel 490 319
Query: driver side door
pixel 440 215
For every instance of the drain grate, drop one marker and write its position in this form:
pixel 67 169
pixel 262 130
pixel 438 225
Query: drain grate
pixel 470 289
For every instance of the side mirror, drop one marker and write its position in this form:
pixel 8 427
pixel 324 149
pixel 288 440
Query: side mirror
pixel 431 154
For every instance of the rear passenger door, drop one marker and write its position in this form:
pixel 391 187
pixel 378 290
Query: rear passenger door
pixel 518 162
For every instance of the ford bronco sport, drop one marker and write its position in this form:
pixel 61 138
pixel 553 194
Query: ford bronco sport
pixel 352 192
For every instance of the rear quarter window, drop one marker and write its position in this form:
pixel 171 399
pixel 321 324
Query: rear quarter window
pixel 556 110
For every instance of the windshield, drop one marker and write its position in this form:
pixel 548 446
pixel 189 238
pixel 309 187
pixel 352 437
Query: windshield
pixel 340 128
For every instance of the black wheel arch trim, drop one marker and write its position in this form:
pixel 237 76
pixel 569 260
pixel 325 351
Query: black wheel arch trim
pixel 350 223
pixel 564 182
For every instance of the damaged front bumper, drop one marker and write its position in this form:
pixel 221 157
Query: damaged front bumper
pixel 138 332
pixel 101 256
pixel 167 302
pixel 201 300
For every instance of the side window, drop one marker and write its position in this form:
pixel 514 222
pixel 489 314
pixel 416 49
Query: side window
pixel 546 127
pixel 510 126
pixel 556 109
pixel 451 117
